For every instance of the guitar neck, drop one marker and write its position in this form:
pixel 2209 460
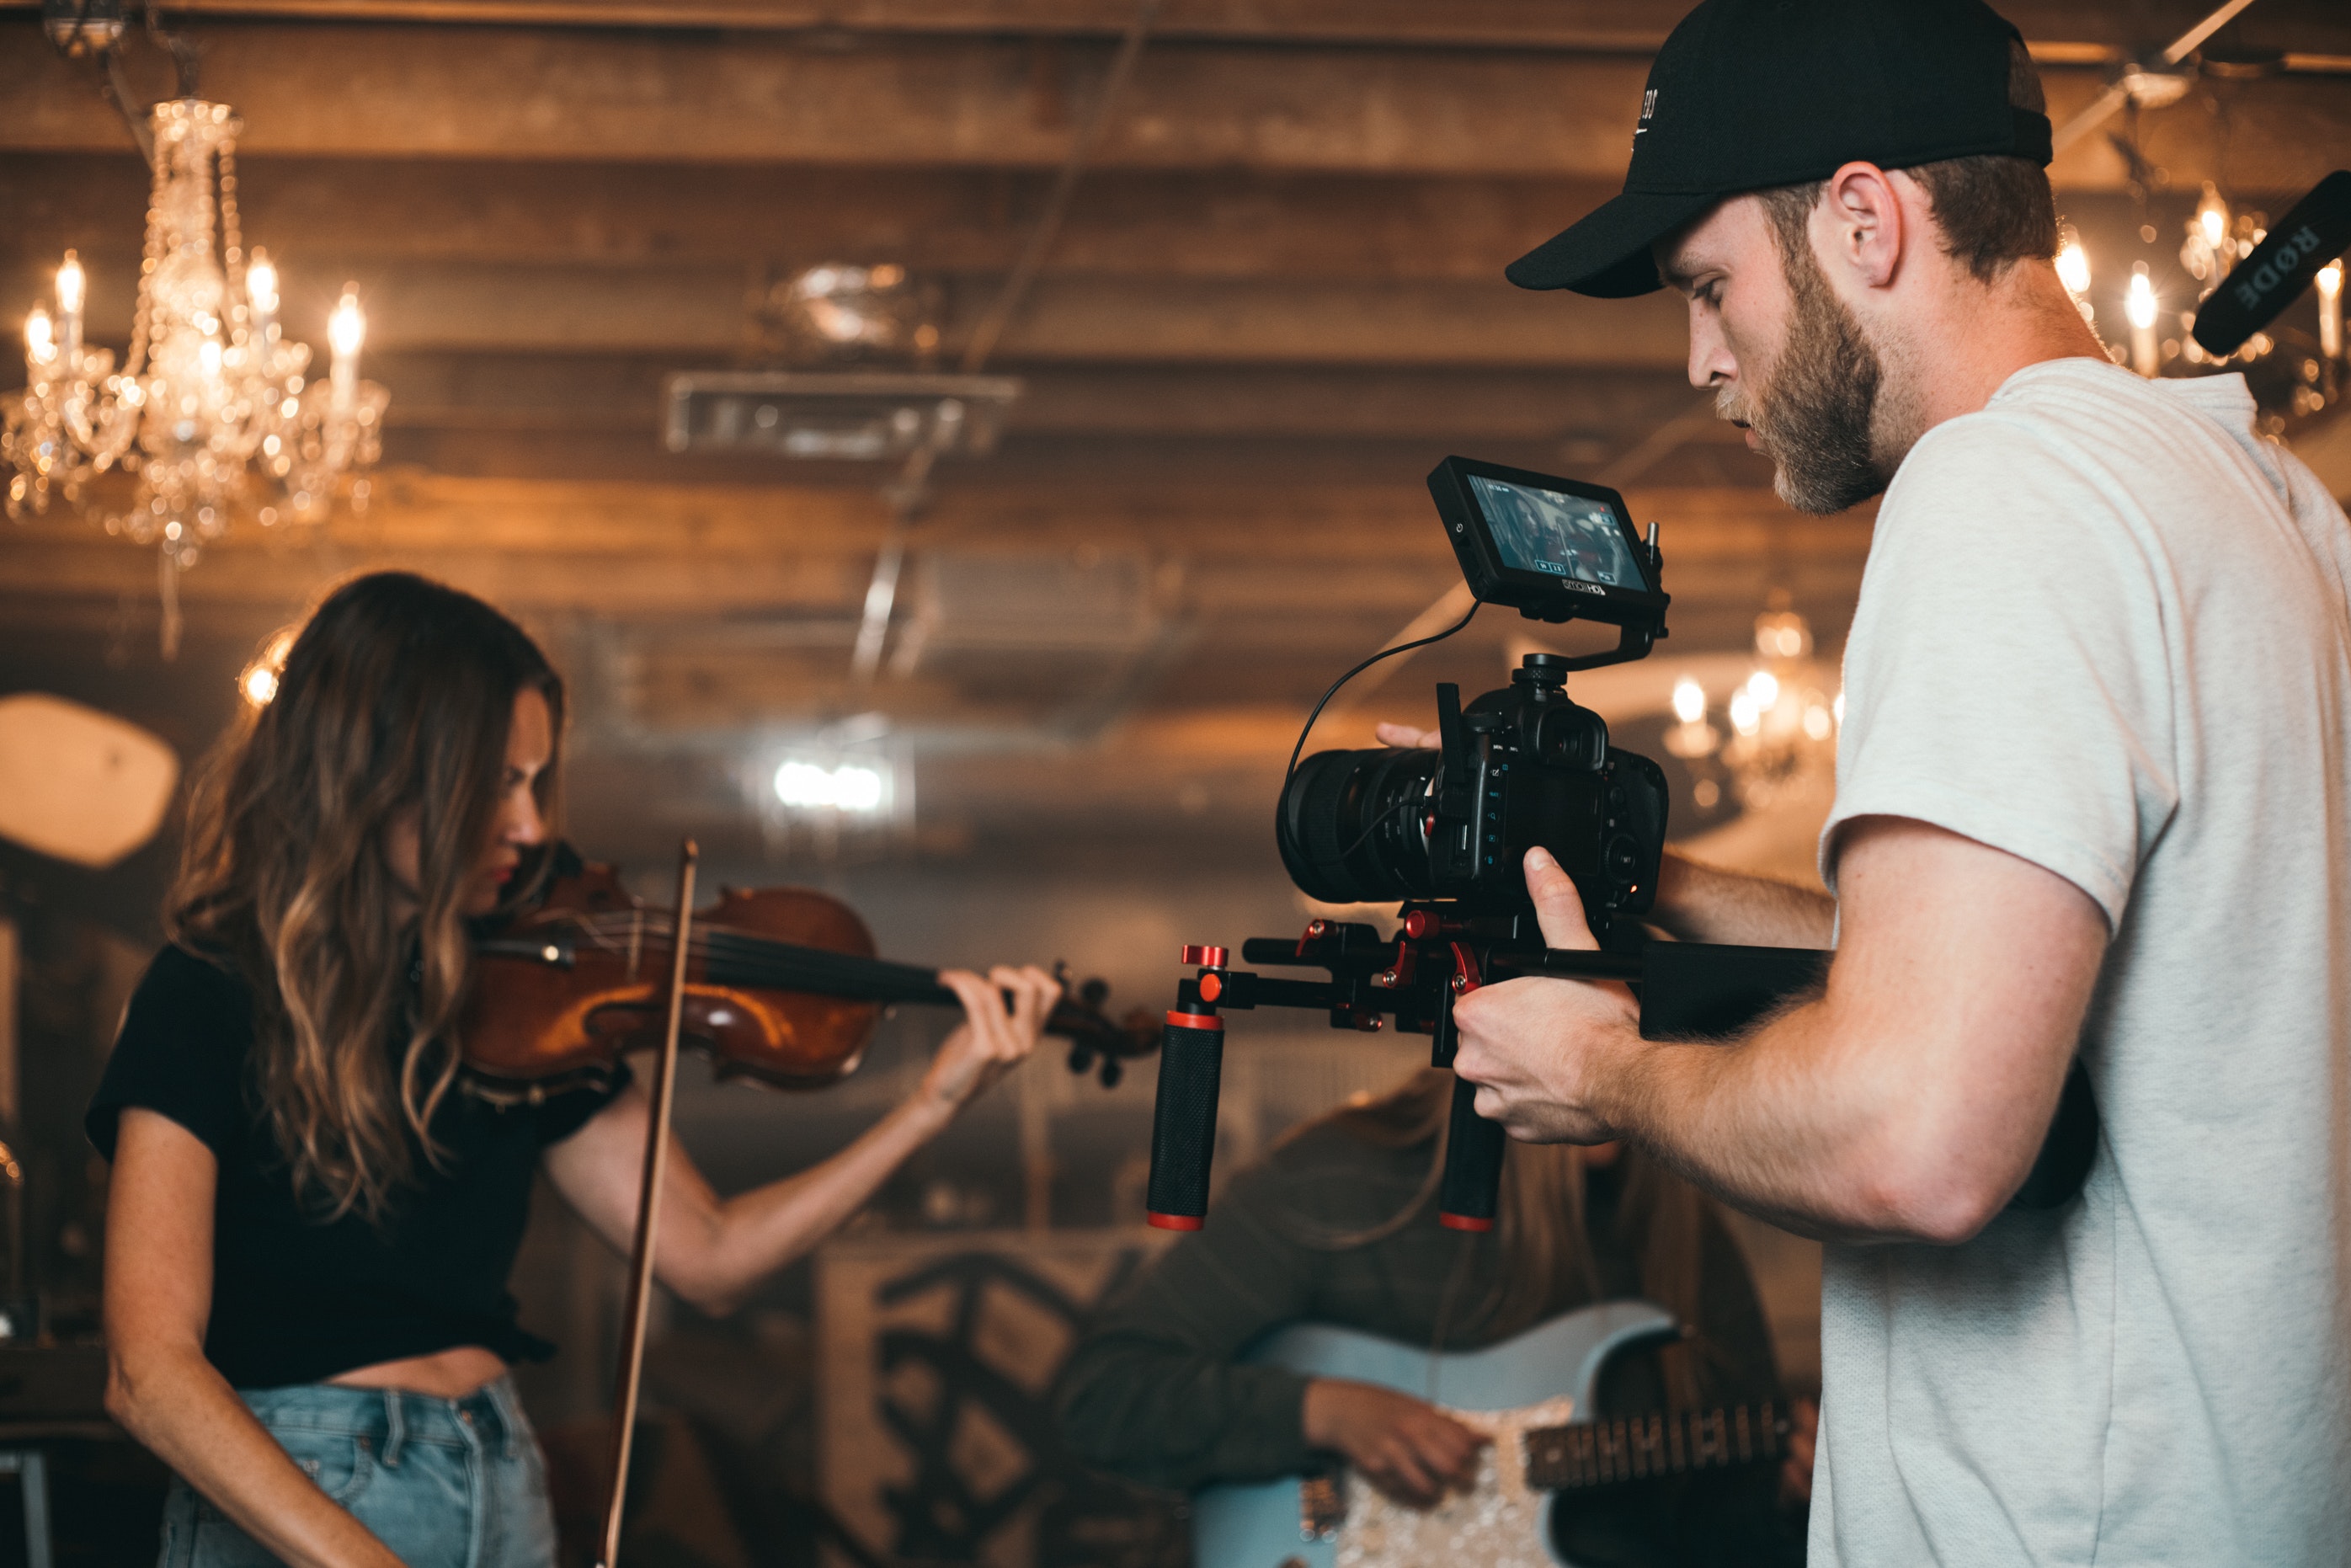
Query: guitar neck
pixel 1592 1454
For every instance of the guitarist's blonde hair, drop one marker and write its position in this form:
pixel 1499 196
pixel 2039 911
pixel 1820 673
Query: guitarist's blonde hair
pixel 1543 1244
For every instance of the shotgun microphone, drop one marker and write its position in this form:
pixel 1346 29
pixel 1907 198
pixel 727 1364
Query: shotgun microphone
pixel 2281 267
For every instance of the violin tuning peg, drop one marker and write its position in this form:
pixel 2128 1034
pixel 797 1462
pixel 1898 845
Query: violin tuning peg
pixel 1112 1071
pixel 1094 992
pixel 1082 1059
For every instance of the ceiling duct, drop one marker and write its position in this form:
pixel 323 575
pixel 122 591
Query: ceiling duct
pixel 844 416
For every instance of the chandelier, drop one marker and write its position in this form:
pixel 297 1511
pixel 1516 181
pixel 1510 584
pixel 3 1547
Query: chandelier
pixel 213 413
pixel 1782 724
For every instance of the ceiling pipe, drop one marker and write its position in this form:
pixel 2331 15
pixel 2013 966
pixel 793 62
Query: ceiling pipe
pixel 910 492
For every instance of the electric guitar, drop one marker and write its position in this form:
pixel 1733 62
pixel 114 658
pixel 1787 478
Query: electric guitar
pixel 1525 1392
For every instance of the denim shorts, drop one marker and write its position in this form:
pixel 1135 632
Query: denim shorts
pixel 445 1483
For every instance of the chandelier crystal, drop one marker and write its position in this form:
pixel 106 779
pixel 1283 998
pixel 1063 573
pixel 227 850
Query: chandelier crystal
pixel 213 413
pixel 1782 726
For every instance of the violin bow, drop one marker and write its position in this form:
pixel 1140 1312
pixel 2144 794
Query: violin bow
pixel 641 1260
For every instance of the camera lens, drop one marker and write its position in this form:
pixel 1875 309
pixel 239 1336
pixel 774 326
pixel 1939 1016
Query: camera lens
pixel 1350 825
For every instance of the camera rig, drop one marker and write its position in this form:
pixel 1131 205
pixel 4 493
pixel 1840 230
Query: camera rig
pixel 1438 955
pixel 1445 832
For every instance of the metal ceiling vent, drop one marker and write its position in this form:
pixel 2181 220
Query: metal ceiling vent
pixel 866 416
pixel 851 348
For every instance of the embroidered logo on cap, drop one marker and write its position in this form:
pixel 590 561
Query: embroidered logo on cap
pixel 1648 113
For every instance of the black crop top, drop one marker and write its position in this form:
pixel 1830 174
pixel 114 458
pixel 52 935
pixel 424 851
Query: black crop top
pixel 293 1300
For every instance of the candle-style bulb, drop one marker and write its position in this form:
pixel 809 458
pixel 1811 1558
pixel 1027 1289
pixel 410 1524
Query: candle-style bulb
pixel 347 328
pixel 2330 309
pixel 2073 267
pixel 260 291
pixel 2212 216
pixel 40 335
pixel 72 285
pixel 2140 307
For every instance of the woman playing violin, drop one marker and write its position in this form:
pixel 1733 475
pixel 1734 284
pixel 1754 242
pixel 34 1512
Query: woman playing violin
pixel 311 1221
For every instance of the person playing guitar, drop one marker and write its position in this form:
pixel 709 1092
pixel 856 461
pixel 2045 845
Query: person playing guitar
pixel 1338 1225
pixel 310 1222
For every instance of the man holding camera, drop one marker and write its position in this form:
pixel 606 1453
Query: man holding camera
pixel 2092 799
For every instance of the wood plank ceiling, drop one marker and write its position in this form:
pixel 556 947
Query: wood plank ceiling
pixel 1276 301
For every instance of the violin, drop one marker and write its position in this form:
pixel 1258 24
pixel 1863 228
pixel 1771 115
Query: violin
pixel 783 986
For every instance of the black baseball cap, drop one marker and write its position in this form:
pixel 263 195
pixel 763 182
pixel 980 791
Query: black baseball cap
pixel 1750 94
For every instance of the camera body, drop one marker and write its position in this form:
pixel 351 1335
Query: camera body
pixel 1518 766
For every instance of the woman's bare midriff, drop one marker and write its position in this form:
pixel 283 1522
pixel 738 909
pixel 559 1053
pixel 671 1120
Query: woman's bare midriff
pixel 445 1374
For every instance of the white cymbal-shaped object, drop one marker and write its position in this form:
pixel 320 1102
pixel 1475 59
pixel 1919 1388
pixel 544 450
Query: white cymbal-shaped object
pixel 79 784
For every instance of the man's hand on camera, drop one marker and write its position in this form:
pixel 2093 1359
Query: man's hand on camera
pixel 1412 1451
pixel 1536 1048
pixel 1405 736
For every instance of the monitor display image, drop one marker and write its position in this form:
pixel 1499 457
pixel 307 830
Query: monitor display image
pixel 1565 536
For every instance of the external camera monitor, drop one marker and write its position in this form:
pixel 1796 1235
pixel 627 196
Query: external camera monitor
pixel 1556 549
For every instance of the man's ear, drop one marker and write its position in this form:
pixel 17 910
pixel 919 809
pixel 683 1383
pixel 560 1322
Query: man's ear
pixel 1860 226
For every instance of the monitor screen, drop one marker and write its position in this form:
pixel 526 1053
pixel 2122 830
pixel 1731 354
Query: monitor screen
pixel 1561 535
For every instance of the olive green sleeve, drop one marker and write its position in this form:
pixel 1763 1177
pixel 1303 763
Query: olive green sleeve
pixel 1154 1393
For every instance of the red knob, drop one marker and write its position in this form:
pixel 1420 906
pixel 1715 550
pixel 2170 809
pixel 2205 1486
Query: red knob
pixel 1206 957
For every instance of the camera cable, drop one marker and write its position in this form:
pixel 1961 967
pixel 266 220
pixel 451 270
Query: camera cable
pixel 1359 669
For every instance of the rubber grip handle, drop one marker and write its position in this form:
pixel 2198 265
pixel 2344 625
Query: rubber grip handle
pixel 1473 1165
pixel 1184 1123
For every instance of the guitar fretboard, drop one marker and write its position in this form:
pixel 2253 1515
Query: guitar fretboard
pixel 1607 1453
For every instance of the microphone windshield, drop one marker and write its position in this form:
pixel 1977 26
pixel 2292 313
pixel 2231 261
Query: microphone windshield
pixel 2281 267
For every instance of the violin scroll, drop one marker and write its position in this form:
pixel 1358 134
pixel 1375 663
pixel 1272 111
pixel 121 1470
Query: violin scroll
pixel 1101 1047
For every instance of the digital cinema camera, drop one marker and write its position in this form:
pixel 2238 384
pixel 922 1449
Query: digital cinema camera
pixel 1445 832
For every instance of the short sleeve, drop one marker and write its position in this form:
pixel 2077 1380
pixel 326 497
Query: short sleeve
pixel 561 1116
pixel 181 1053
pixel 2007 678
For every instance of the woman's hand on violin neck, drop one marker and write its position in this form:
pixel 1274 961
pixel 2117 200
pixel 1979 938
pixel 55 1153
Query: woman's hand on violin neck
pixel 1004 1015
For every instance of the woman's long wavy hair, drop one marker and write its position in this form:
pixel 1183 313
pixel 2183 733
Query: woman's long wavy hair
pixel 1541 1237
pixel 393 709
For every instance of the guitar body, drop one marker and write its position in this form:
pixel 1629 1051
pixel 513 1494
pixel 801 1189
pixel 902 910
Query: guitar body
pixel 1260 1526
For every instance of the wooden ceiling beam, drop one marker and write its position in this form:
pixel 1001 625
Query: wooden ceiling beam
pixel 423 514
pixel 700 311
pixel 619 97
pixel 1128 223
pixel 2060 31
pixel 1594 410
pixel 1136 223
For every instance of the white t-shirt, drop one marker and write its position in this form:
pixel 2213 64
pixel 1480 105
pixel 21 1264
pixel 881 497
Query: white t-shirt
pixel 2106 627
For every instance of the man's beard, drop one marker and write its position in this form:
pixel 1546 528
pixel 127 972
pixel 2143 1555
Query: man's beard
pixel 1812 412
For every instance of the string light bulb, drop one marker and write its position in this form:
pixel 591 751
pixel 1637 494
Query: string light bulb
pixel 1689 700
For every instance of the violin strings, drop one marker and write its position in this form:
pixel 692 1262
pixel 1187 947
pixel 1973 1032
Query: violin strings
pixel 763 961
